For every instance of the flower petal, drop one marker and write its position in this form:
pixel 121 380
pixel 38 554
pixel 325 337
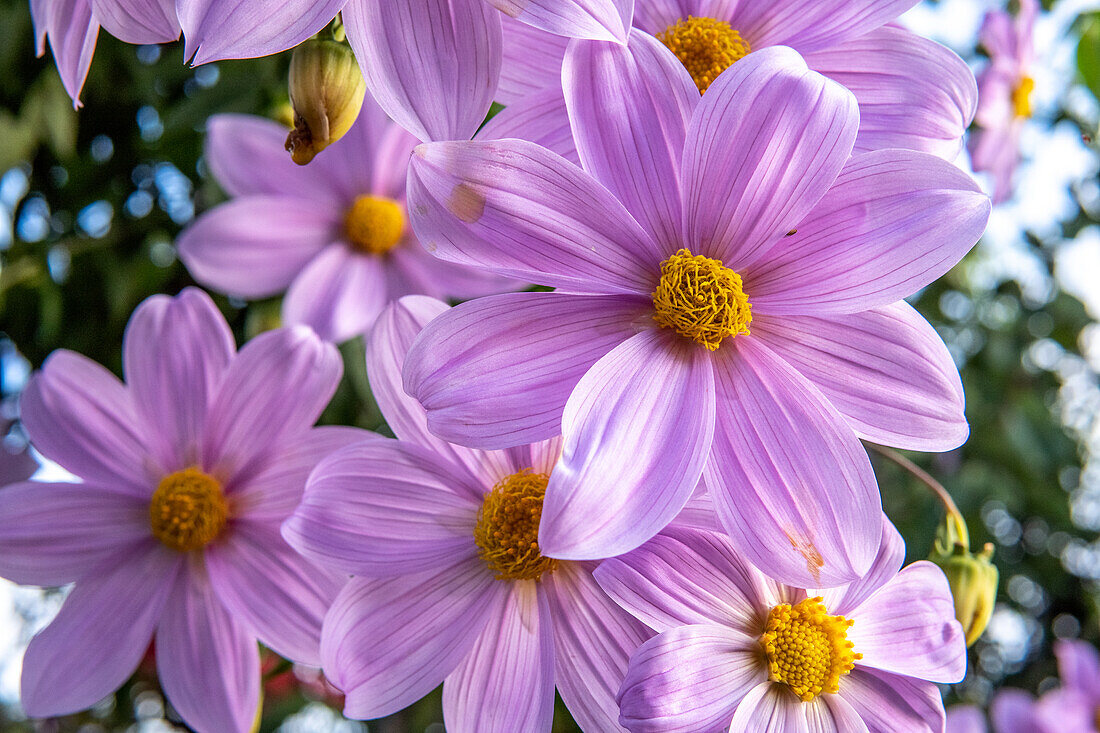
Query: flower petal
pixel 66 668
pixel 833 714
pixel 72 30
pixel 387 643
pixel 637 430
pixel 601 20
pixel 886 370
pixel 253 247
pixel 789 480
pixel 338 294
pixel 767 140
pixel 197 636
pixel 53 534
pixel 497 371
pixel 79 415
pixel 276 593
pixel 506 683
pixel 245 29
pixel 593 640
pixel 965 719
pixel 174 354
pixel 891 554
pixel 688 679
pixel 385 508
pixel 894 221
pixel 891 703
pixel 432 65
pixel 908 627
pixel 809 25
pixel 1015 711
pixel 531 61
pixel 1078 665
pixel 540 117
pixel 138 21
pixel 629 108
pixel 769 708
pixel 913 93
pixel 517 209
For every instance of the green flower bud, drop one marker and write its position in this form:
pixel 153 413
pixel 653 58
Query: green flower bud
pixel 973 577
pixel 326 91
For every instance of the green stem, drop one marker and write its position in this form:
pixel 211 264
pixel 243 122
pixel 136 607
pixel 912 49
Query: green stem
pixel 924 477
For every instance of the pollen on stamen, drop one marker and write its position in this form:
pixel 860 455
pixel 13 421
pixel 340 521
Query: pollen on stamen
pixel 374 225
pixel 807 649
pixel 188 510
pixel 705 46
pixel 507 530
pixel 701 299
pixel 1021 97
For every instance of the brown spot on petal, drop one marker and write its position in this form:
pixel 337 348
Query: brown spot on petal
pixel 466 203
pixel 805 547
pixel 511 8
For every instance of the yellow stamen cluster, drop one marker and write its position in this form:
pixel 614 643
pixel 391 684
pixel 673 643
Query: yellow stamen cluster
pixel 807 649
pixel 374 225
pixel 1021 97
pixel 701 299
pixel 188 510
pixel 507 531
pixel 705 46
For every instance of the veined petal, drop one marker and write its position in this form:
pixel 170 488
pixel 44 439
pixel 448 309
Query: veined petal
pixel 841 600
pixel 629 107
pixel 506 682
pixel 789 480
pixel 767 141
pixel 769 708
pixel 601 20
pixel 338 294
pixel 894 221
pixel 244 29
pixel 72 30
pixel 886 370
pixel 540 117
pixel 531 61
pixel 432 65
pixel 809 25
pixel 892 703
pixel 498 371
pixel 138 21
pixel 637 430
pixel 517 209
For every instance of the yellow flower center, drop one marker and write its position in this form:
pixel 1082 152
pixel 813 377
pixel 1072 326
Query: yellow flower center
pixel 374 225
pixel 701 299
pixel 188 510
pixel 507 531
pixel 808 650
pixel 705 46
pixel 1021 97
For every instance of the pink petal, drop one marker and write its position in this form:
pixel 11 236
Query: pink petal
pixel 519 210
pixel 72 30
pixel 386 508
pixel 432 65
pixel 767 141
pixel 770 708
pixel 208 665
pixel 78 414
pixel 908 627
pixel 244 29
pixel 886 370
pixel 53 534
pixel 531 61
pixel 540 117
pixel 964 718
pixel 891 554
pixel 654 16
pixel 637 429
pixel 593 640
pixel 253 247
pixel 894 221
pixel 66 668
pixel 629 109
pixel 138 21
pixel 273 591
pixel 690 679
pixel 790 482
pixel 506 682
pixel 497 371
pixel 601 20
pixel 175 353
pixel 387 643
pixel 810 25
pixel 1015 711
pixel 338 294
pixel 410 270
pixel 1078 665
pixel 890 703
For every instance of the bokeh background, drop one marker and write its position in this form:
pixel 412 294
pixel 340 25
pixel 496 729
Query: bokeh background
pixel 91 201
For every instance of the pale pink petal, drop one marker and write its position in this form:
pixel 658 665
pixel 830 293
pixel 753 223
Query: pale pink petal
pixel 531 61
pixel 244 29
pixel 53 534
pixel 654 16
pixel 1014 711
pixel 767 141
pixel 886 370
pixel 253 247
pixel 207 663
pixel 637 430
pixel 506 682
pixel 540 117
pixel 832 713
pixel 602 20
pixel 138 21
pixel 410 270
pixel 519 210
pixel 338 294
pixel 890 703
pixel 891 554
pixel 769 708
pixel 432 65
pixel 387 643
pixel 1078 666
pixel 593 641
pixel 809 25
pixel 72 30
pixel 497 371
pixel 963 718
pixel 66 668
pixel 790 481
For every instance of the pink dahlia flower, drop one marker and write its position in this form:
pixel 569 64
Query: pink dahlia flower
pixel 1004 98
pixel 332 234
pixel 449 585
pixel 188 470
pixel 73 25
pixel 913 93
pixel 729 307
pixel 735 646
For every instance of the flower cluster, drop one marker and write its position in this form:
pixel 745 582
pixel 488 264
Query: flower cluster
pixel 641 484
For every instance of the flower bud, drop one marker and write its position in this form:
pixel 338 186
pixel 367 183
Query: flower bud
pixel 326 91
pixel 972 576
